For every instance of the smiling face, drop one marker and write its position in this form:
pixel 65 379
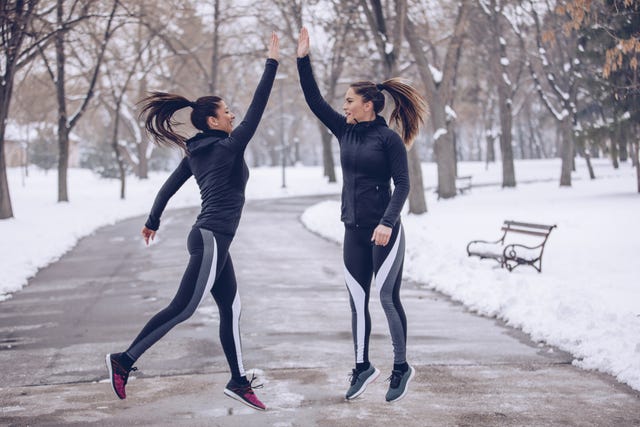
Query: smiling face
pixel 223 120
pixel 356 109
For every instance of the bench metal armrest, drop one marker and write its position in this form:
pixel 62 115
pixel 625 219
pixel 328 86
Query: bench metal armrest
pixel 499 241
pixel 510 253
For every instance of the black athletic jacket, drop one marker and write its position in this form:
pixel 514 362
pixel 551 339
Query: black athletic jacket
pixel 216 159
pixel 370 153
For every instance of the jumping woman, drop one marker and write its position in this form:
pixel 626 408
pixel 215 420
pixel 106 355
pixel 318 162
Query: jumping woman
pixel 215 157
pixel 371 155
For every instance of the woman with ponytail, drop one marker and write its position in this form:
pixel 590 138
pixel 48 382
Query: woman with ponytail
pixel 215 158
pixel 371 156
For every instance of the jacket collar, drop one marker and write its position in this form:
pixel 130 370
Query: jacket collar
pixel 204 139
pixel 364 126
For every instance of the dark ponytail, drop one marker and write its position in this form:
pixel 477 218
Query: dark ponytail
pixel 410 109
pixel 158 110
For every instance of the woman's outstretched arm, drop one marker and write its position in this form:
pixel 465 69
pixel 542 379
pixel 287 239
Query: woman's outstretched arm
pixel 335 121
pixel 241 135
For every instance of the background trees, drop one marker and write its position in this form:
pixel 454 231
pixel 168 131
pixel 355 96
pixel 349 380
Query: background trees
pixel 539 77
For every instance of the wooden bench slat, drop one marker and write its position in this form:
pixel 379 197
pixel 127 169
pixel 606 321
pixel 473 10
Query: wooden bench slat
pixel 518 230
pixel 530 225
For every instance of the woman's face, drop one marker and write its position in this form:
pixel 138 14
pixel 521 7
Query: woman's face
pixel 224 119
pixel 356 109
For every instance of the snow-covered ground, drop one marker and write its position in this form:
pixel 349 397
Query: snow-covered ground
pixel 586 300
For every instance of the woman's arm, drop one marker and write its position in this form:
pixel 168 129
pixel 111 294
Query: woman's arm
pixel 397 156
pixel 241 135
pixel 335 121
pixel 168 189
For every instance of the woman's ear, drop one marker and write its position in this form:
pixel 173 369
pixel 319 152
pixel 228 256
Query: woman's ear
pixel 212 122
pixel 368 106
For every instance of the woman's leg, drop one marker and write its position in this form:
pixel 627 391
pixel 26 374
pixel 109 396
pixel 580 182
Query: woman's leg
pixel 358 271
pixel 198 277
pixel 388 262
pixel 225 293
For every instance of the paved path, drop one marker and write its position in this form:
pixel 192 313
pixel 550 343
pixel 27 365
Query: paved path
pixel 471 371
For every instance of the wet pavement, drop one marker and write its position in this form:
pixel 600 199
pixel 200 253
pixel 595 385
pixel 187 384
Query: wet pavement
pixel 471 370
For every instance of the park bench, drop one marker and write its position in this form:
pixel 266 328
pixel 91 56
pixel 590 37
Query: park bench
pixel 463 183
pixel 521 244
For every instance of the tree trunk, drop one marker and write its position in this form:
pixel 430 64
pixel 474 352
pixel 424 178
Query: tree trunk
pixel 623 154
pixel 497 51
pixel 508 170
pixel 63 129
pixel 566 151
pixel 587 157
pixel 143 162
pixel 215 55
pixel 327 153
pixel 417 202
pixel 63 160
pixel 117 150
pixel 491 149
pixel 6 211
pixel 613 149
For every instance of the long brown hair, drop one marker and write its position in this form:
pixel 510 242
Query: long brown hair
pixel 410 109
pixel 158 109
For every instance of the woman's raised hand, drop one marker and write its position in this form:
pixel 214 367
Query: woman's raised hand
pixel 303 43
pixel 274 47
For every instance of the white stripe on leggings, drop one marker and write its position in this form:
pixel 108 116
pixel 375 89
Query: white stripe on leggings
pixel 236 309
pixel 358 296
pixel 212 269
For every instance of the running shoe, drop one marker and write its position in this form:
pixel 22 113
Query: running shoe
pixel 118 375
pixel 244 393
pixel 360 381
pixel 398 384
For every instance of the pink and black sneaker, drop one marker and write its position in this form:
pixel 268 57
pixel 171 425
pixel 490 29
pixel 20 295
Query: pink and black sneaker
pixel 118 375
pixel 244 393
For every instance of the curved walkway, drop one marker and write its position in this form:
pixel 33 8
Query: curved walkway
pixel 471 371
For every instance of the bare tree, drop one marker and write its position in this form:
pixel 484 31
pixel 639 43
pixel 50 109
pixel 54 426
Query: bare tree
pixel 119 80
pixel 440 86
pixel 554 57
pixel 67 22
pixel 388 42
pixel 19 46
pixel 500 66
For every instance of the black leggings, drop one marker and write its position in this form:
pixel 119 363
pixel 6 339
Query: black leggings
pixel 362 260
pixel 210 267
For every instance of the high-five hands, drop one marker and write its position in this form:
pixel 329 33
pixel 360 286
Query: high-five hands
pixel 303 43
pixel 274 47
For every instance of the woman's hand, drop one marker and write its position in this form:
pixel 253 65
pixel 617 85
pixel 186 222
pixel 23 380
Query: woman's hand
pixel 381 235
pixel 148 233
pixel 274 47
pixel 303 43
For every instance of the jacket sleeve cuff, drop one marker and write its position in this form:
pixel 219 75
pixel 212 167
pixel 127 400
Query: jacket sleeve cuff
pixel 152 225
pixel 387 223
